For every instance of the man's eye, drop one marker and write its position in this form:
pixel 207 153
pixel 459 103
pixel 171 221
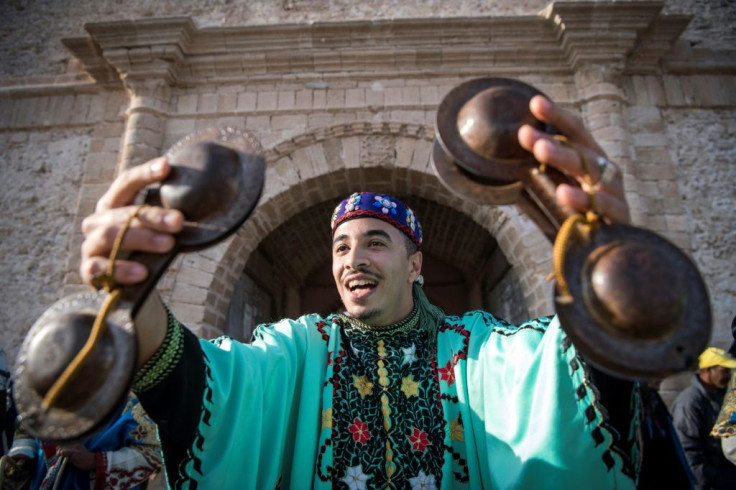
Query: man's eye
pixel 341 248
pixel 376 243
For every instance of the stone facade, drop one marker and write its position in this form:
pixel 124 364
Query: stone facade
pixel 344 97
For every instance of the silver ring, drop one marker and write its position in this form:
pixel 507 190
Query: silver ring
pixel 607 168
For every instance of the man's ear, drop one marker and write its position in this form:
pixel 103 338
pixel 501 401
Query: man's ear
pixel 415 266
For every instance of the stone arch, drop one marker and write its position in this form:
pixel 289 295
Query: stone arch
pixel 313 171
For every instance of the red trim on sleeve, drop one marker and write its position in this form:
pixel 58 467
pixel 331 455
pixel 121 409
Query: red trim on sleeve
pixel 100 470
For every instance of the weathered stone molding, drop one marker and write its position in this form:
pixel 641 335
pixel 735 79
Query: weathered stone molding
pixel 584 51
pixel 565 35
pixel 630 34
pixel 350 129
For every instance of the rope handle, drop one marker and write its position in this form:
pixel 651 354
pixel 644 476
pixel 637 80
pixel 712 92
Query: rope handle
pixel 593 214
pixel 98 327
pixel 570 225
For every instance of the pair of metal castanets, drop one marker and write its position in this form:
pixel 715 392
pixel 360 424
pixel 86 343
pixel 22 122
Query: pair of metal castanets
pixel 632 302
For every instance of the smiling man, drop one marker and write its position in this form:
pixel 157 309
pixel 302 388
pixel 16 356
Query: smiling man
pixel 389 393
pixel 375 264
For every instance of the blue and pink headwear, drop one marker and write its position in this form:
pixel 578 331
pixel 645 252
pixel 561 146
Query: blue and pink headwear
pixel 379 206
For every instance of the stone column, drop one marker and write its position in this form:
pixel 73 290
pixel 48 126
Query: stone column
pixel 598 40
pixel 147 56
pixel 603 106
pixel 146 119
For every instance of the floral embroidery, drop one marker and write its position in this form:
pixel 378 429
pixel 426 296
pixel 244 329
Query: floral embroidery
pixel 409 387
pixel 457 432
pixel 359 431
pixel 356 351
pixel 355 478
pixel 410 354
pixel 387 206
pixel 418 439
pixel 120 478
pixel 364 386
pixel 353 203
pixel 373 430
pixel 447 373
pixel 410 219
pixel 327 419
pixel 422 482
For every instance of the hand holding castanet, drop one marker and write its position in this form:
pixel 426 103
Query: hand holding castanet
pixel 76 364
pixel 632 302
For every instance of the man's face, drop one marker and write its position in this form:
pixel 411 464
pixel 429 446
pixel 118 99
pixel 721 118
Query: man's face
pixel 720 376
pixel 373 271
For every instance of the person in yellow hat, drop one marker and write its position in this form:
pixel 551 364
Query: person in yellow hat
pixel 694 414
pixel 725 427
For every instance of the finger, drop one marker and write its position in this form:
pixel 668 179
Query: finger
pixel 611 208
pixel 129 183
pixel 101 240
pixel 125 272
pixel 564 121
pixel 150 217
pixel 568 160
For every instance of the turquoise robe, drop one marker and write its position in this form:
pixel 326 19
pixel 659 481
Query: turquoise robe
pixel 517 407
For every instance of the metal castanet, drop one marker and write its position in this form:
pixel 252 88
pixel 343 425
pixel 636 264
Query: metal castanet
pixel 216 179
pixel 477 154
pixel 631 301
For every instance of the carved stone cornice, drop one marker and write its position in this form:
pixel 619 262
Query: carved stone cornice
pixel 631 34
pixel 655 42
pixel 90 54
pixel 137 50
pixel 634 34
pixel 185 55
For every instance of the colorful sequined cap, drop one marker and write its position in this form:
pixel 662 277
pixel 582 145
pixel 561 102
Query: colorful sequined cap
pixel 379 206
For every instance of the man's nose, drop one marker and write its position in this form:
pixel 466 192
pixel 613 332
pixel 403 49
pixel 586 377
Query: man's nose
pixel 357 258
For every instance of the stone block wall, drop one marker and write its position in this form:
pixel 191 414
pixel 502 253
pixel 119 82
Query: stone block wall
pixel 337 112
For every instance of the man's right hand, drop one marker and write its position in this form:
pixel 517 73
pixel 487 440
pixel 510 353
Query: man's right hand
pixel 152 231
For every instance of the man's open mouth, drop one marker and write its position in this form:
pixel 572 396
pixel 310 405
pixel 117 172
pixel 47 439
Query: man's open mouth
pixel 361 285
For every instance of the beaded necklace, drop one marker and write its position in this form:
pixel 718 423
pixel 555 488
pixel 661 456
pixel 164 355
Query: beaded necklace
pixel 408 323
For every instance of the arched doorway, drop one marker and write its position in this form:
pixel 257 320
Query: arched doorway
pixel 464 269
pixel 277 264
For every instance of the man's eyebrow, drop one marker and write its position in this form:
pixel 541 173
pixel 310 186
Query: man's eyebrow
pixel 369 233
pixel 380 233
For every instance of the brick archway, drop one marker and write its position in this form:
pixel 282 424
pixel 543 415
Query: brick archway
pixel 308 175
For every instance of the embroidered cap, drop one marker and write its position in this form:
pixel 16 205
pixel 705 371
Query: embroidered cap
pixel 379 206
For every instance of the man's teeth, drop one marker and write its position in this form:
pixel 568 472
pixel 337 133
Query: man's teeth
pixel 360 283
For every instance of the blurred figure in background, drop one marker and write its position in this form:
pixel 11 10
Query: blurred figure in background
pixel 6 427
pixel 663 445
pixel 694 414
pixel 122 456
pixel 725 427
